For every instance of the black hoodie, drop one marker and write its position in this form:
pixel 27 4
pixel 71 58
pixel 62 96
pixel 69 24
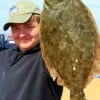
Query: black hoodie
pixel 23 76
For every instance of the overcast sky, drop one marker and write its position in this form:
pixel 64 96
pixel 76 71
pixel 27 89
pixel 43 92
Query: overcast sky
pixel 94 6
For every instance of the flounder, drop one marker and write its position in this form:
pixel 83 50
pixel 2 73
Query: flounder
pixel 97 58
pixel 68 43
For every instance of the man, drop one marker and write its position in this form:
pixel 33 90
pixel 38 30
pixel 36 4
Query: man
pixel 23 74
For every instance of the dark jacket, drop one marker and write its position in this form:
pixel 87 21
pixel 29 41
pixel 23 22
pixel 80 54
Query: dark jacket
pixel 23 76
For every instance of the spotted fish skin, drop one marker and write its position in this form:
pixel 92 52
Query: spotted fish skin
pixel 68 42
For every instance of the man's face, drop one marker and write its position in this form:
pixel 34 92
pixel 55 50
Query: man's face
pixel 26 35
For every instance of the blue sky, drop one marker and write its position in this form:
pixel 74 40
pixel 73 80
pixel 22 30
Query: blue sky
pixel 93 5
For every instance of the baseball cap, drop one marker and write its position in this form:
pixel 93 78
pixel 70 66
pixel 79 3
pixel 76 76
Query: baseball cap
pixel 21 12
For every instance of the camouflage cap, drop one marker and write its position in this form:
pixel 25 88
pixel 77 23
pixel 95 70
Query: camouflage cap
pixel 21 12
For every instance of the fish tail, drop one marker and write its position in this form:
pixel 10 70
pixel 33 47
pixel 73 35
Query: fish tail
pixel 77 94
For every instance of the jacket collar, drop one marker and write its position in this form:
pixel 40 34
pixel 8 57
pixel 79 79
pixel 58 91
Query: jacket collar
pixel 15 54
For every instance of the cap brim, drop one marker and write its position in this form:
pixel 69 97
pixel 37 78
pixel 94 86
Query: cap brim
pixel 17 19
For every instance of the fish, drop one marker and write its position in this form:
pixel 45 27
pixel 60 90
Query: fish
pixel 68 37
pixel 97 58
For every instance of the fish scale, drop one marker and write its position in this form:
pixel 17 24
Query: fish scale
pixel 68 43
